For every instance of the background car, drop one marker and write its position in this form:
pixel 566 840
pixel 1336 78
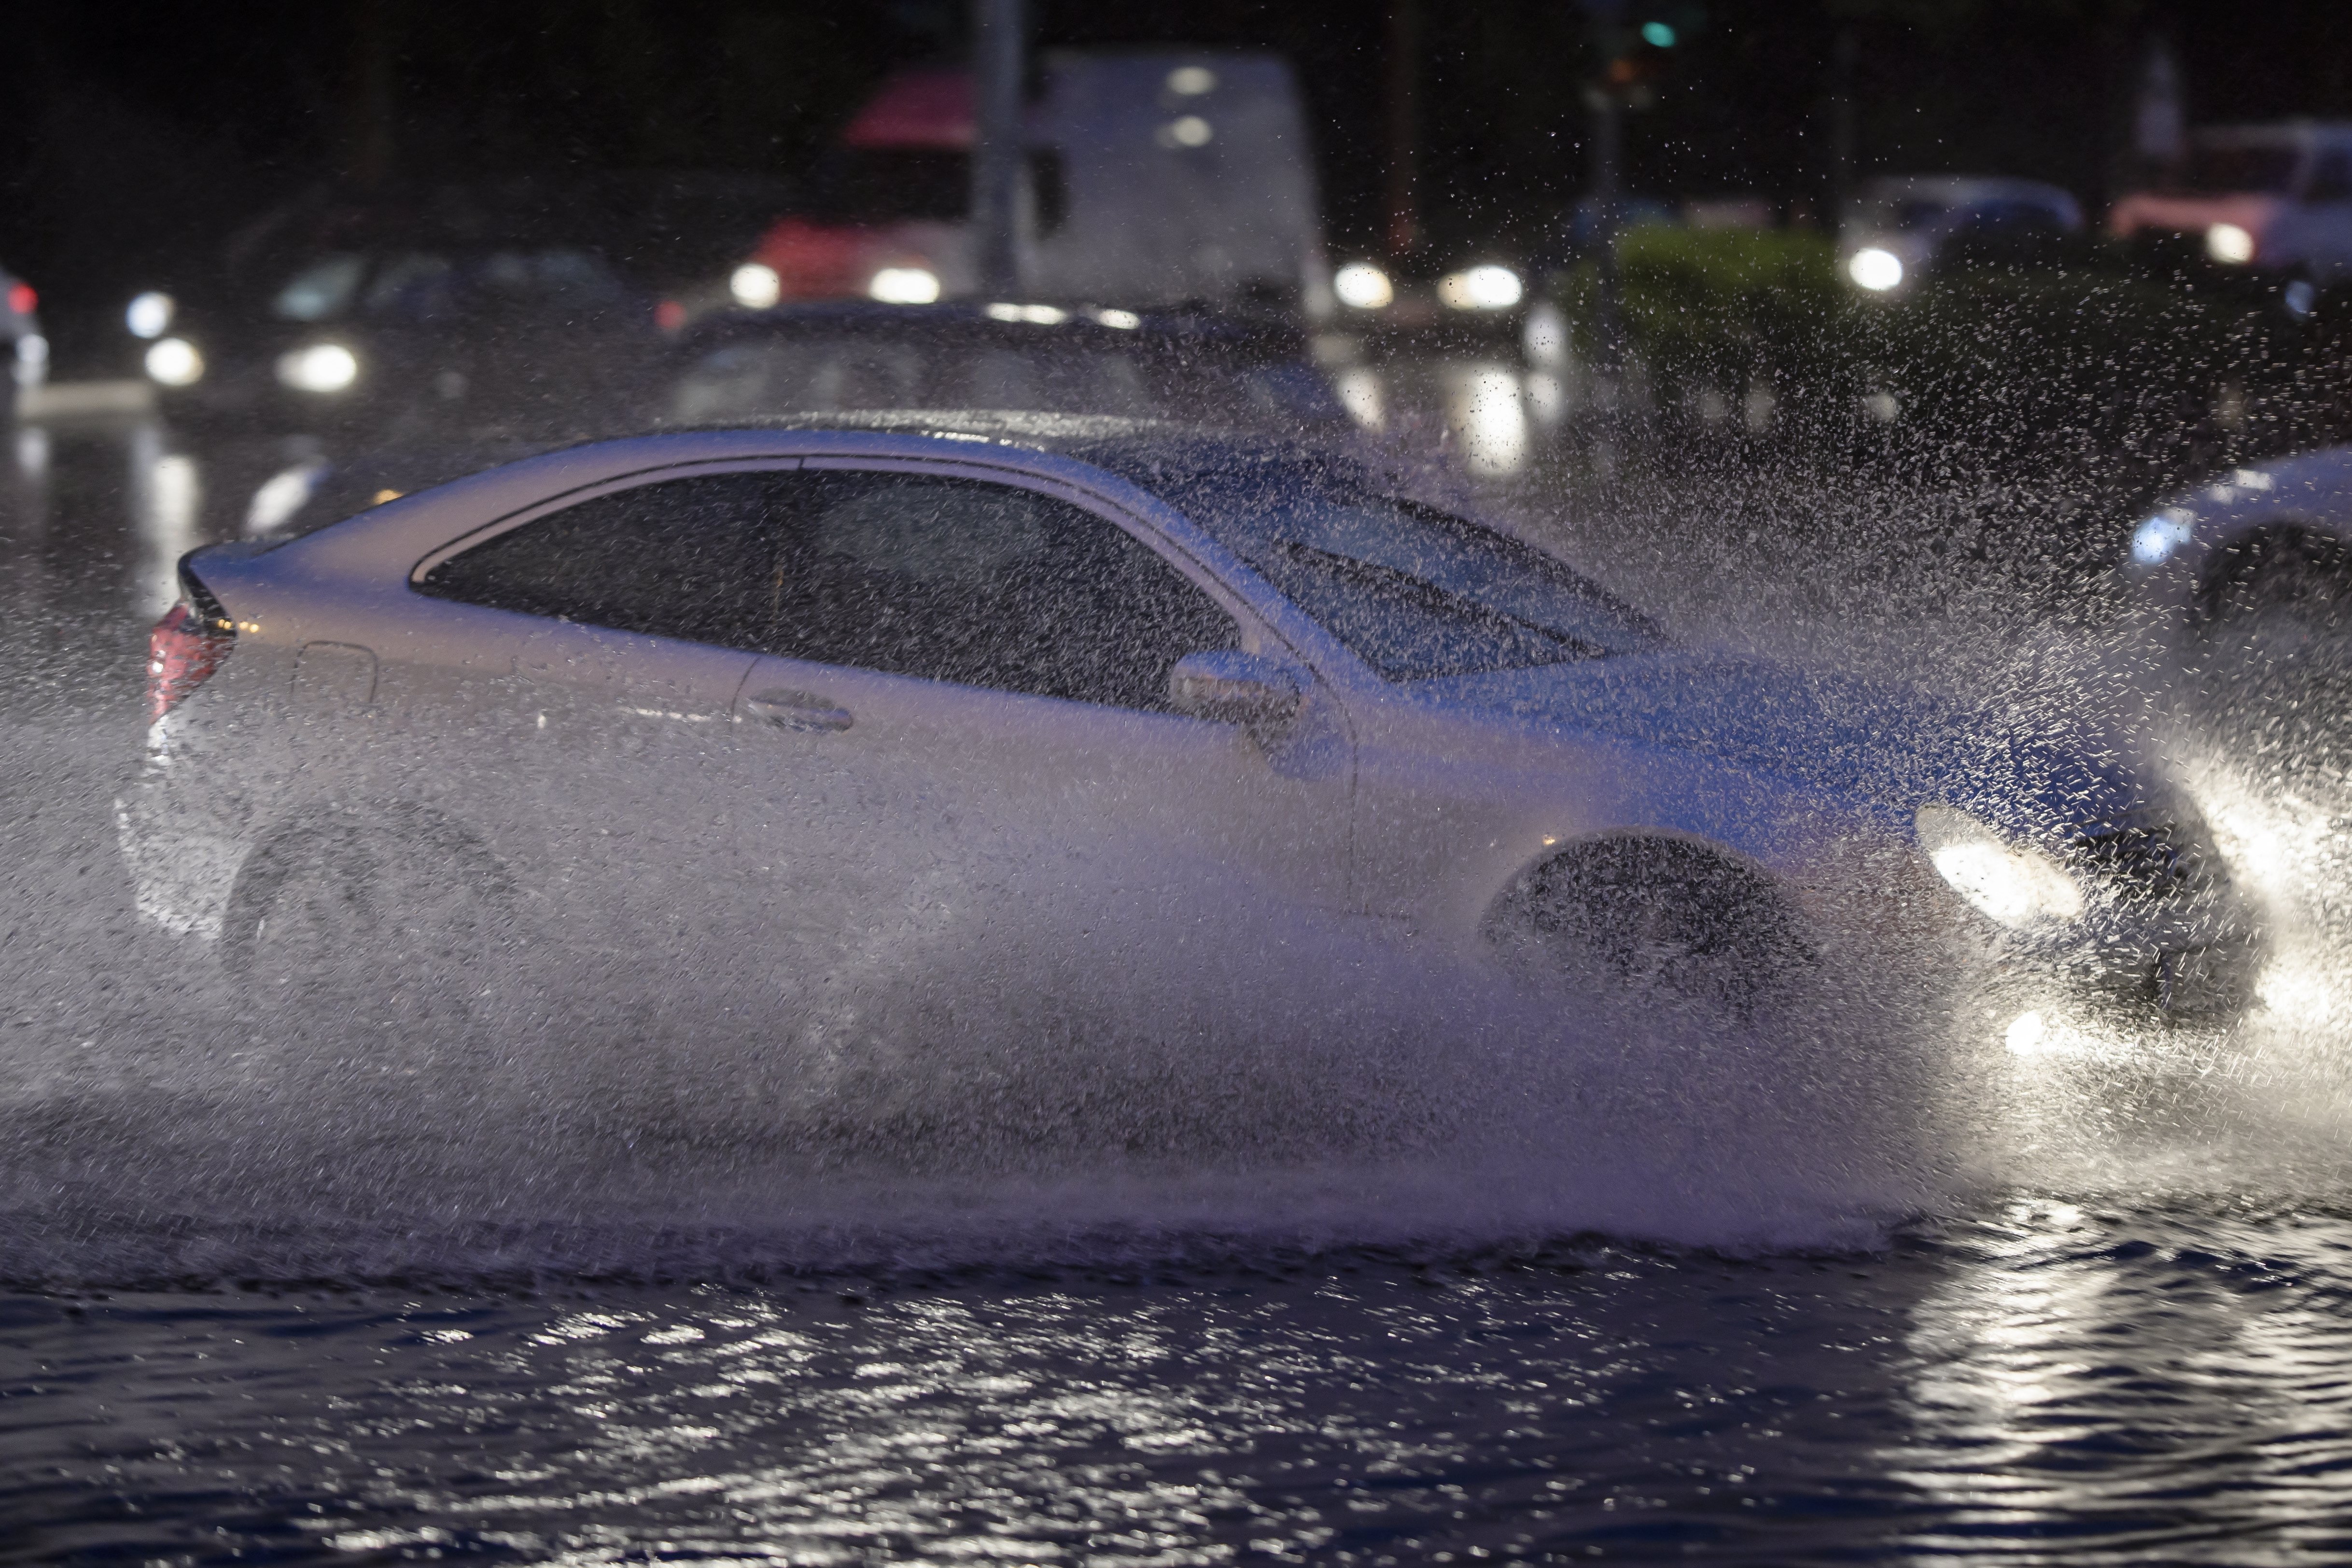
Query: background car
pixel 814 360
pixel 801 713
pixel 2261 554
pixel 20 328
pixel 492 311
pixel 1188 367
pixel 1903 229
pixel 2270 200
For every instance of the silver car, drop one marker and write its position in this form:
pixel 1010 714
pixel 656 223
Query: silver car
pixel 747 728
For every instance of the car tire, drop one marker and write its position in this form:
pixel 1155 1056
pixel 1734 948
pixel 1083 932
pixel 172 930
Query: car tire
pixel 1665 917
pixel 375 955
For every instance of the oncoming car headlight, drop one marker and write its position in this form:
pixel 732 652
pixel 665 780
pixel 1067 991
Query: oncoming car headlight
pixel 2017 885
pixel 321 367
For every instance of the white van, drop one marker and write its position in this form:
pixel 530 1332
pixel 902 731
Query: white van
pixel 1155 177
pixel 2269 198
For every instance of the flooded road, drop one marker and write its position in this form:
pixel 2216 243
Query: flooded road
pixel 2125 1337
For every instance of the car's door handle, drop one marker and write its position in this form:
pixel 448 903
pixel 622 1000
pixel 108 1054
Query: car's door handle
pixel 799 710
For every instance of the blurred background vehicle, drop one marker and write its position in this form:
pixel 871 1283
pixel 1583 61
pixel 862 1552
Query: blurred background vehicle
pixel 2273 200
pixel 749 367
pixel 20 328
pixel 1191 367
pixel 1154 177
pixel 496 311
pixel 2257 559
pixel 1902 228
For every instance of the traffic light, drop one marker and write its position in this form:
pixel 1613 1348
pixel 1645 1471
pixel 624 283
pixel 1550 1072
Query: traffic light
pixel 1638 42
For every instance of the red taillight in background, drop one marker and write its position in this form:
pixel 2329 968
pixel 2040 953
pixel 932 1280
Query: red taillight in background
pixel 181 651
pixel 21 299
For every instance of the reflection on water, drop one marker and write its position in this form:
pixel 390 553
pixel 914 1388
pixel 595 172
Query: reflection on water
pixel 166 500
pixel 2142 1387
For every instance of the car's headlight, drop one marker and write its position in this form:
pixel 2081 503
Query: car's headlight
pixel 902 286
pixel 1363 287
pixel 321 367
pixel 2229 245
pixel 755 284
pixel 174 361
pixel 1875 267
pixel 2019 886
pixel 149 315
pixel 1487 288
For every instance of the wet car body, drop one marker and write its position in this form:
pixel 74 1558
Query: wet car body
pixel 1242 675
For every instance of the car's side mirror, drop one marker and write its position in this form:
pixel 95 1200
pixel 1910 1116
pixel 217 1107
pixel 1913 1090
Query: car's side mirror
pixel 1231 688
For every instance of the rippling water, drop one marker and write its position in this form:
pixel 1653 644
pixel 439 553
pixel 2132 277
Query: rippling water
pixel 2046 1382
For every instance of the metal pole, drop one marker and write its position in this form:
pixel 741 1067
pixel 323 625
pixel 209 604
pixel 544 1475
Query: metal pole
pixel 1405 127
pixel 998 56
pixel 1608 124
pixel 1842 128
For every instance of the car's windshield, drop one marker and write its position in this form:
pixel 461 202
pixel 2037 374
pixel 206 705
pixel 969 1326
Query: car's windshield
pixel 1414 591
pixel 2269 169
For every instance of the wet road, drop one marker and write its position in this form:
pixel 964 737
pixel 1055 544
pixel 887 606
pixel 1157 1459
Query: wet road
pixel 2132 1344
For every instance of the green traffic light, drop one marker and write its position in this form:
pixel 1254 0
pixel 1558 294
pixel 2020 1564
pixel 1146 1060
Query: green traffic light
pixel 1658 34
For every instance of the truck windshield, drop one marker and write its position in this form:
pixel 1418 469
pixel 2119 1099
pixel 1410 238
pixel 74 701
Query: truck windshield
pixel 1415 593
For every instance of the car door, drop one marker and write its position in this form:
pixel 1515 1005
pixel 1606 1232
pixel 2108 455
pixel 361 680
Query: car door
pixel 974 765
pixel 571 688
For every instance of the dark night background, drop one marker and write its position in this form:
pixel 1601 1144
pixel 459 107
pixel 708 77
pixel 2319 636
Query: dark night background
pixel 133 134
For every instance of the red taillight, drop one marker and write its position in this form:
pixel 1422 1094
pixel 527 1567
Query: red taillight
pixel 669 315
pixel 21 299
pixel 181 652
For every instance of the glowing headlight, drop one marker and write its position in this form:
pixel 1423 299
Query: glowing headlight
pixel 902 286
pixel 1363 287
pixel 149 314
pixel 2017 886
pixel 2229 244
pixel 174 361
pixel 755 284
pixel 2154 540
pixel 1875 269
pixel 321 367
pixel 1487 288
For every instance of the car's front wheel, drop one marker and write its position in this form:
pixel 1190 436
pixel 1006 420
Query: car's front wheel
pixel 1665 917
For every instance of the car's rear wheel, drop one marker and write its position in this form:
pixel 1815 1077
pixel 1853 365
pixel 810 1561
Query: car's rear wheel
pixel 373 956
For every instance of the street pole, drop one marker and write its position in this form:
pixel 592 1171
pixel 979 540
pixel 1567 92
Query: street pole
pixel 1404 128
pixel 1607 128
pixel 999 47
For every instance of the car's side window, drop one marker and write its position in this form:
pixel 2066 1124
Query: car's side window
pixel 948 579
pixel 685 558
pixel 984 585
